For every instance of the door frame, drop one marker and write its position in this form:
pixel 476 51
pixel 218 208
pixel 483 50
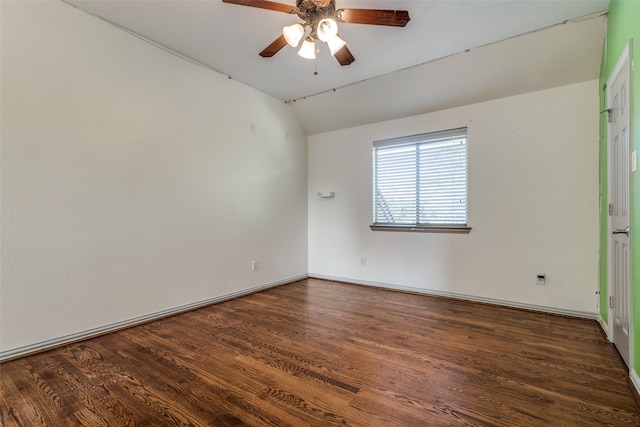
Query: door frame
pixel 625 56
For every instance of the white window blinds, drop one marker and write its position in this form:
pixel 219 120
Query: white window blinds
pixel 421 180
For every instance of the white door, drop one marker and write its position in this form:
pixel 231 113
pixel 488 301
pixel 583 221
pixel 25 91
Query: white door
pixel 619 178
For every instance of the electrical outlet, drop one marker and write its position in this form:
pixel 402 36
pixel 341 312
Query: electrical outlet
pixel 363 260
pixel 254 265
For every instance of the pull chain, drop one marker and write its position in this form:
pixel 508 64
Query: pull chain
pixel 315 62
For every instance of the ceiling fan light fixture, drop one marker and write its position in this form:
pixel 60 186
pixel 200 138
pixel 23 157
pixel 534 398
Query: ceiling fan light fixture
pixel 308 49
pixel 327 29
pixel 322 17
pixel 293 34
pixel 335 44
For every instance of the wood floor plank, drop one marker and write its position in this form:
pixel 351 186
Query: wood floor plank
pixel 321 353
pixel 212 396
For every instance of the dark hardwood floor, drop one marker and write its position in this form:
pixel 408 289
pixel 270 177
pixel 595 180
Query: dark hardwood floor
pixel 319 353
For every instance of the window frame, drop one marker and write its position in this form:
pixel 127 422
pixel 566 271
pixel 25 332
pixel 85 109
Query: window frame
pixel 418 140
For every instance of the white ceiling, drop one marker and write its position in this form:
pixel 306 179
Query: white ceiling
pixel 398 71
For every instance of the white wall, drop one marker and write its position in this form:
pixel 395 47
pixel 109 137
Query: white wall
pixel 131 182
pixel 533 205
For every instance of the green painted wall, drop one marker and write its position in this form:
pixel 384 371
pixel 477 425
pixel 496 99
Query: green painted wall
pixel 622 25
pixel 603 190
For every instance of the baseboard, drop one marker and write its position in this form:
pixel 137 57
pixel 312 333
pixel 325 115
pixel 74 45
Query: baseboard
pixel 635 380
pixel 604 327
pixel 91 333
pixel 433 292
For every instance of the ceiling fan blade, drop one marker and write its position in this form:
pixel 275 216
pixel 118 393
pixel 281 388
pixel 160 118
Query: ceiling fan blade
pixel 264 4
pixel 393 18
pixel 344 56
pixel 274 47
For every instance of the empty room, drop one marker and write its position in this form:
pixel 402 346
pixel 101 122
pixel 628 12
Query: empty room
pixel 319 212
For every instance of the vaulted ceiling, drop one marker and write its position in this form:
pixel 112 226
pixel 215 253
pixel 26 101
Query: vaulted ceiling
pixel 451 53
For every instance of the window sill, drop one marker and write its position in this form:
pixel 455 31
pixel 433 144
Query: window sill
pixel 462 229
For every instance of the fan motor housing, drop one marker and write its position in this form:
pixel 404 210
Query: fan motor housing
pixel 312 11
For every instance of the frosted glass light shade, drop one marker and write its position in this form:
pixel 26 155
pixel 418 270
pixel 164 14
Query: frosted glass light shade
pixel 327 29
pixel 335 44
pixel 308 49
pixel 293 34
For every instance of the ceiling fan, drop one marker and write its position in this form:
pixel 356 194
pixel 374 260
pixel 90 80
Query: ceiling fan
pixel 322 17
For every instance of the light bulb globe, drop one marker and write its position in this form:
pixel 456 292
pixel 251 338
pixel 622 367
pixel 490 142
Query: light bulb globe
pixel 308 49
pixel 293 34
pixel 335 44
pixel 327 29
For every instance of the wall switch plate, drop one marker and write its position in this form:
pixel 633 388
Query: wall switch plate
pixel 634 161
pixel 540 279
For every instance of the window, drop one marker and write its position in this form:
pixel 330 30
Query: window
pixel 420 182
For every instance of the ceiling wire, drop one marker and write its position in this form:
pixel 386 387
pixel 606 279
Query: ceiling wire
pixel 302 98
pixel 579 19
pixel 156 44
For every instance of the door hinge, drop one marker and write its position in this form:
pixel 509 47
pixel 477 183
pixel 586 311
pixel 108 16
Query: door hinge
pixel 610 209
pixel 611 302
